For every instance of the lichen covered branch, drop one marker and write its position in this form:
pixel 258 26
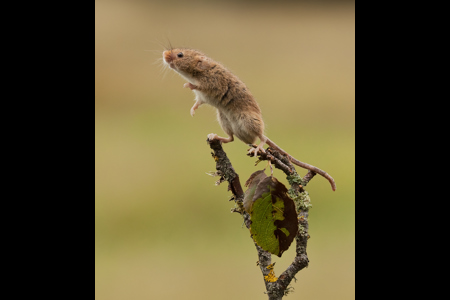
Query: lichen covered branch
pixel 276 287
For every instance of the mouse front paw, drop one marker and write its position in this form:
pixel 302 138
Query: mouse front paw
pixel 189 85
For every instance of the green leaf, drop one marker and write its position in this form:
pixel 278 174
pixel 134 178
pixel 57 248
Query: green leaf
pixel 274 219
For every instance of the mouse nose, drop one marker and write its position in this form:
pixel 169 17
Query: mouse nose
pixel 167 55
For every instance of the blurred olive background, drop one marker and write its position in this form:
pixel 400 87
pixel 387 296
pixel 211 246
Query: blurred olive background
pixel 163 229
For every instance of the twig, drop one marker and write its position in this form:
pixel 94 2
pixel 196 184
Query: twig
pixel 223 165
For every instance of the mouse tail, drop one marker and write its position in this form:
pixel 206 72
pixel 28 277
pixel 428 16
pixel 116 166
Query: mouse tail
pixel 302 164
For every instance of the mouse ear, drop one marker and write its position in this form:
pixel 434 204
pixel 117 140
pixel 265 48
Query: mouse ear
pixel 203 63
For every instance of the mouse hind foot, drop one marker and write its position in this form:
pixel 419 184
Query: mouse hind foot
pixel 258 148
pixel 213 136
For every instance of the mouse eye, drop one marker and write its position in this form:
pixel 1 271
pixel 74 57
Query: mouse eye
pixel 180 54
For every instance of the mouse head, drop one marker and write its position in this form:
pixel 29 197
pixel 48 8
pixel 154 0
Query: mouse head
pixel 188 62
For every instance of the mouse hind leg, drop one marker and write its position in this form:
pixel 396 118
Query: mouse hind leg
pixel 226 126
pixel 252 128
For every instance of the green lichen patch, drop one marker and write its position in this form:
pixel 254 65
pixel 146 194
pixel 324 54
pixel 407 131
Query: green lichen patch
pixel 295 178
pixel 302 200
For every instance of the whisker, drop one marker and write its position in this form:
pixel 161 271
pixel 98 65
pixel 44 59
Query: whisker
pixel 159 60
pixel 160 44
pixel 170 44
pixel 163 67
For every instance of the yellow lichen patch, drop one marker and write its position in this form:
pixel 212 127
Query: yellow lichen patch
pixel 271 276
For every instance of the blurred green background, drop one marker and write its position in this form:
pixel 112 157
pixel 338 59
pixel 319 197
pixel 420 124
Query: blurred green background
pixel 163 230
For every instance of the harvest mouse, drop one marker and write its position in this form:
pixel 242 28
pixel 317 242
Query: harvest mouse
pixel 238 112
